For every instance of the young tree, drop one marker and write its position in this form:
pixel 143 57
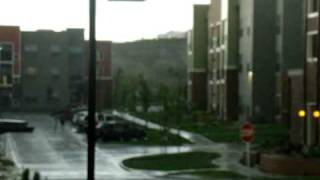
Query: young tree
pixel 25 174
pixel 118 78
pixel 144 93
pixel 36 176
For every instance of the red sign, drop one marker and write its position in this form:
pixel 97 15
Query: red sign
pixel 247 132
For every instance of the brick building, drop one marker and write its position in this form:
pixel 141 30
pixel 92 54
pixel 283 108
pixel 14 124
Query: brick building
pixel 103 74
pixel 197 59
pixel 10 63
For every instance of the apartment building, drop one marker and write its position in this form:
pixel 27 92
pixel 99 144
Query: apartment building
pixel 52 68
pixel 197 59
pixel 309 133
pixel 223 59
pixel 290 54
pixel 257 60
pixel 10 62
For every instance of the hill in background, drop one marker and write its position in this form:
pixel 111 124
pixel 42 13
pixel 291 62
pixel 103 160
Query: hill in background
pixel 159 60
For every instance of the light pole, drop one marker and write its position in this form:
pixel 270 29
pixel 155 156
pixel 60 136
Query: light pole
pixel 92 88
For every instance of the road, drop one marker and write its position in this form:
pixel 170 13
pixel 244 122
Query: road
pixel 61 154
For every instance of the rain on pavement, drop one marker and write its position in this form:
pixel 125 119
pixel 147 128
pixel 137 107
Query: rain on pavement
pixel 61 153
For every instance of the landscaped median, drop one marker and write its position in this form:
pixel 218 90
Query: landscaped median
pixel 190 163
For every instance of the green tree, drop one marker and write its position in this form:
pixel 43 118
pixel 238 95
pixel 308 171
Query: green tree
pixel 144 93
pixel 118 78
pixel 25 174
pixel 36 176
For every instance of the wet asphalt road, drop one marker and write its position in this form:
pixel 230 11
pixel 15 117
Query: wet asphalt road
pixel 61 153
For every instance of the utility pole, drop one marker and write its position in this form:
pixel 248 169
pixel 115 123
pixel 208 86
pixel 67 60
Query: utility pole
pixel 92 92
pixel 305 67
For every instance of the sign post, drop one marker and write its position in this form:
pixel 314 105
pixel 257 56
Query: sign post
pixel 247 136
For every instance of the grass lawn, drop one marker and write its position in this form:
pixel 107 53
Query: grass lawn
pixel 221 131
pixel 167 162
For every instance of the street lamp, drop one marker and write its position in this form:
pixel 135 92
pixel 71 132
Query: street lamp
pixel 92 88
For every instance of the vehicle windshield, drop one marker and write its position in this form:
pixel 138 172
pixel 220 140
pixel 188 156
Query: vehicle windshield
pixel 159 89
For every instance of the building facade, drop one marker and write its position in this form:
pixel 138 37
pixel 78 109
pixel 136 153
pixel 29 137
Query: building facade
pixel 257 60
pixel 103 74
pixel 10 63
pixel 223 59
pixel 309 133
pixel 53 63
pixel 290 52
pixel 197 59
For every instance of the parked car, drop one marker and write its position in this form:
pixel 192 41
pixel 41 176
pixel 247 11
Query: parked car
pixel 118 130
pixel 79 117
pixel 80 120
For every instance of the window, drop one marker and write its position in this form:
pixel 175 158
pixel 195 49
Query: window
pixel 31 71
pixel 55 72
pixel 315 49
pixel 6 75
pixel 6 52
pixel 55 50
pixel 313 6
pixel 222 33
pixel 31 48
pixel 75 50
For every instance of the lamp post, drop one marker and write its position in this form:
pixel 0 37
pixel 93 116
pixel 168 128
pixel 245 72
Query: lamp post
pixel 92 88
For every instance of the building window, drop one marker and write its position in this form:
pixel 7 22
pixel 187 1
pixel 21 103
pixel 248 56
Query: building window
pixel 31 48
pixel 222 33
pixel 75 50
pixel 312 46
pixel 55 50
pixel 6 52
pixel 313 6
pixel 315 48
pixel 55 72
pixel 31 71
pixel 6 75
pixel 217 35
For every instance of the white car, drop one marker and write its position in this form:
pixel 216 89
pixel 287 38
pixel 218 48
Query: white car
pixel 79 117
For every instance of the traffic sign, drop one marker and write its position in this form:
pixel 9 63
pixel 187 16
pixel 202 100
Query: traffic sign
pixel 247 132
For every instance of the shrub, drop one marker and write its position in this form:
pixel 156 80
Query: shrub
pixel 25 174
pixel 36 176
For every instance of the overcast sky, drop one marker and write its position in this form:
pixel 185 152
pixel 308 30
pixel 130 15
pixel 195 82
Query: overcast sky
pixel 116 21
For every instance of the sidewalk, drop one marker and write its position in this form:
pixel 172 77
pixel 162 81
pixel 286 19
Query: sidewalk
pixel 192 137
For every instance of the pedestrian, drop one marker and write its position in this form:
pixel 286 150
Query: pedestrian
pixel 56 123
pixel 61 122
